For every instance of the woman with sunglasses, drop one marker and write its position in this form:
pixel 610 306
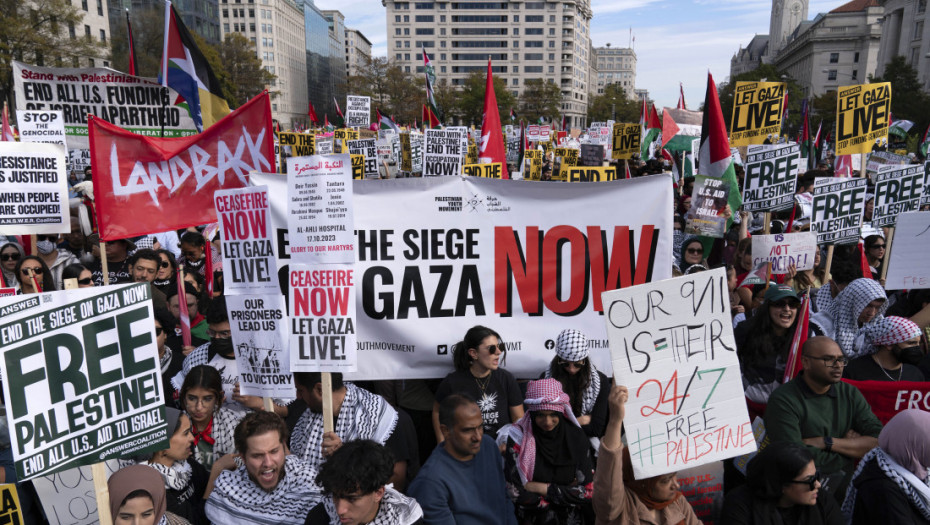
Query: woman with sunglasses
pixel 477 360
pixel 585 385
pixel 56 259
pixel 782 487
pixel 10 254
pixel 78 272
pixel 213 425
pixel 692 253
pixel 165 278
pixel 874 247
pixel 32 270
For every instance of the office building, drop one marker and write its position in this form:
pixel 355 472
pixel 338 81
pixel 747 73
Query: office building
pixel 358 51
pixel 616 66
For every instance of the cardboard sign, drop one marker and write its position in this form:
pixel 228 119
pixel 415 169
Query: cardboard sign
pixel 259 328
pixel 878 159
pixel 41 126
pixel 592 155
pixel 78 159
pixel 471 157
pixel 591 174
pixel 340 137
pixel 862 113
pixel 771 177
pixel 68 496
pixel 301 144
pixel 369 149
pixel 565 158
pixel 785 249
pixel 358 111
pixel 33 189
pixel 97 392
pixel 443 153
pixel 488 171
pixel 671 344
pixel 757 112
pixel 248 247
pixel 320 219
pixel 707 207
pixel 532 164
pixel 703 488
pixel 910 251
pixel 10 511
pixel 626 140
pixel 898 189
pixel 838 207
pixel 322 316
pixel 323 145
pixel 406 153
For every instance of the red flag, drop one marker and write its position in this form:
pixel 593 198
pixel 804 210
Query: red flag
pixel 6 133
pixel 312 114
pixel 626 171
pixel 208 268
pixel 185 316
pixel 491 149
pixel 681 97
pixel 801 329
pixel 842 166
pixel 325 121
pixel 863 260
pixel 146 184
pixel 669 127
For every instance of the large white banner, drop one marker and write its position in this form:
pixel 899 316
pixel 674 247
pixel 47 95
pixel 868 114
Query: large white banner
pixel 527 260
pixel 910 251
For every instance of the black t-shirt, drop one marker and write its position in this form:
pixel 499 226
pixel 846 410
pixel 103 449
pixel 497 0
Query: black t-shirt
pixel 495 400
pixel 119 272
pixel 174 366
pixel 866 369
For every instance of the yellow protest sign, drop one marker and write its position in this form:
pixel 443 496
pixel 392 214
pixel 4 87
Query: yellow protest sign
pixel 301 144
pixel 406 153
pixel 341 135
pixel 10 511
pixel 626 140
pixel 358 166
pixel 757 112
pixel 591 174
pixel 564 158
pixel 471 157
pixel 487 171
pixel 532 164
pixel 862 117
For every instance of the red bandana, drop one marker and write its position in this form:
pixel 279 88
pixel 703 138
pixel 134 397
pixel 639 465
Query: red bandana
pixel 204 435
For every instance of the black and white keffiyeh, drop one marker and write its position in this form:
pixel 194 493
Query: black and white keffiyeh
pixel 846 309
pixel 395 509
pixel 363 415
pixel 572 345
pixel 238 499
pixel 916 490
pixel 224 428
pixel 589 397
pixel 198 356
pixel 177 476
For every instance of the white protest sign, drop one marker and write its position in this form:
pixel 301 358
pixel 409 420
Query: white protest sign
pixel 248 248
pixel 322 314
pixel 319 214
pixel 898 189
pixel 324 145
pixel 68 496
pixel 81 377
pixel 784 250
pixel 771 177
pixel 41 126
pixel 358 111
pixel 34 194
pixel 838 207
pixel 259 327
pixel 78 159
pixel 910 251
pixel 925 196
pixel 369 149
pixel 443 153
pixel 671 344
pixel 532 133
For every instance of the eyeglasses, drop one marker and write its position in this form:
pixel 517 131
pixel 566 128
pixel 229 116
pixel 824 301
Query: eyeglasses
pixel 221 334
pixel 695 250
pixel 10 256
pixel 878 246
pixel 810 481
pixel 829 360
pixel 37 270
pixel 498 348
pixel 164 264
pixel 576 364
pixel 85 281
pixel 786 302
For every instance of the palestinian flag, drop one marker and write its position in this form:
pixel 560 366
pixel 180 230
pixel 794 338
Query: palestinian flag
pixel 513 115
pixel 429 118
pixel 185 70
pixel 714 158
pixel 342 118
pixel 899 128
pixel 924 143
pixel 818 147
pixel 385 122
pixel 430 73
pixel 652 128
pixel 679 129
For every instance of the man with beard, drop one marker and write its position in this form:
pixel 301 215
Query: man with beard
pixel 143 267
pixel 829 416
pixel 270 487
pixel 896 352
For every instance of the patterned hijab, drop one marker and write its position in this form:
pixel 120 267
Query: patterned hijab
pixel 847 307
pixel 891 330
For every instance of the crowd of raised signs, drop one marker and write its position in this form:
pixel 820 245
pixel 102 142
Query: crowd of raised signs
pixel 482 446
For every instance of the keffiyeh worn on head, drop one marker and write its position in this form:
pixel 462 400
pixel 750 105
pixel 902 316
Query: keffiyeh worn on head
pixel 571 345
pixel 847 307
pixel 891 330
pixel 395 509
pixel 545 394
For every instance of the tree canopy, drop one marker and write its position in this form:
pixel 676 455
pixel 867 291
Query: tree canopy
pixel 613 104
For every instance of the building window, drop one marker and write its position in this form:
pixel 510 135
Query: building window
pixel 397 18
pixel 533 43
pixel 103 35
pixel 399 56
pixel 516 18
pixel 99 7
pixel 831 75
pixel 423 5
pixel 442 56
pixel 71 32
pixel 406 18
pixel 442 43
pixel 855 74
pixel 274 107
pixel 918 29
pixel 423 18
pixel 87 32
pixel 856 57
pixel 407 31
pixel 425 31
pixel 442 18
pixel 399 43
pixel 535 18
pixel 834 58
pixel 84 5
pixel 442 69
pixel 515 81
pixel 516 31
pixel 406 56
pixel 516 44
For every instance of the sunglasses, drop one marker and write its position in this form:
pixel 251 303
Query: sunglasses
pixel 576 364
pixel 85 281
pixel 10 256
pixel 810 481
pixel 878 247
pixel 159 330
pixel 783 303
pixel 37 270
pixel 46 237
pixel 695 250
pixel 498 348
pixel 164 264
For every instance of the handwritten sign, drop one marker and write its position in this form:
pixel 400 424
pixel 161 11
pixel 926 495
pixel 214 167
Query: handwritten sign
pixel 319 215
pixel 590 174
pixel 837 211
pixel 322 316
pixel 910 251
pixel 68 496
pixel 771 177
pixel 259 327
pixel 862 113
pixel 757 112
pixel 671 343
pixel 898 189
pixel 626 140
pixel 784 250
pixel 248 245
pixel 488 171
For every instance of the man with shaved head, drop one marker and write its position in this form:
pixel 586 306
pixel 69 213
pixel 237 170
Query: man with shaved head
pixel 829 416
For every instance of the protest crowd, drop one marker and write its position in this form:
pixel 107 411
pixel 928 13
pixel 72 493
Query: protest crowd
pixel 829 424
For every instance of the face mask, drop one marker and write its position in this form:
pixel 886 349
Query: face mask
pixel 45 247
pixel 222 346
pixel 910 355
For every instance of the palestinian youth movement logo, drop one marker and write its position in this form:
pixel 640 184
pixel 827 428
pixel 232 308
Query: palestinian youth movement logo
pixel 474 202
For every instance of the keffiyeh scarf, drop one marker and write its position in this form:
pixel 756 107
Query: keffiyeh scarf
pixel 177 476
pixel 545 394
pixel 224 426
pixel 846 309
pixel 363 415
pixel 590 393
pixel 395 509
pixel 916 490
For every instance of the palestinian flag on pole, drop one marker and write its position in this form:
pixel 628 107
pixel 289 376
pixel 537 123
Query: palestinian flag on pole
pixel 899 128
pixel 924 143
pixel 714 158
pixel 385 122
pixel 513 116
pixel 818 147
pixel 652 128
pixel 342 118
pixel 430 72
pixel 679 129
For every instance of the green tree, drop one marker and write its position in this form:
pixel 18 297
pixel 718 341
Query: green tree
pixel 245 75
pixel 471 99
pixel 539 99
pixel 39 32
pixel 823 109
pixel 613 104
pixel 908 101
pixel 148 26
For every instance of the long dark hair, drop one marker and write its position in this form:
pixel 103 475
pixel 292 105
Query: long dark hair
pixel 776 464
pixel 573 385
pixel 473 338
pixel 47 282
pixel 761 341
pixel 206 377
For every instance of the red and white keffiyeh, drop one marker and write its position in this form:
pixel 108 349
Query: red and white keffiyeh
pixel 891 330
pixel 545 394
